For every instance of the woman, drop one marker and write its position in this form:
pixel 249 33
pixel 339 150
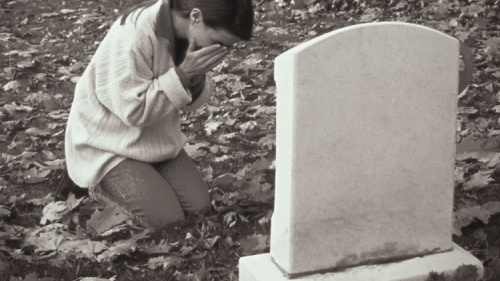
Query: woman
pixel 123 136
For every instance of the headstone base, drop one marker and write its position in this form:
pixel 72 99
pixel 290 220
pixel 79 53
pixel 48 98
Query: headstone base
pixel 261 268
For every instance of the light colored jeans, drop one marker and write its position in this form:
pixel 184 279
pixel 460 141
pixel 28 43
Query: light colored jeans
pixel 158 193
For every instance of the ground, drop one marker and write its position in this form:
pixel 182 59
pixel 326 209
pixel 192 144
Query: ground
pixel 45 46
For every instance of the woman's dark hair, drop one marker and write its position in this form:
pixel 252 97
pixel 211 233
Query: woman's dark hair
pixel 234 15
pixel 129 9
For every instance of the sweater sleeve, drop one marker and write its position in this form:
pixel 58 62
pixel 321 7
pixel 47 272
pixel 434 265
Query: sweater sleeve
pixel 133 93
pixel 194 85
pixel 206 92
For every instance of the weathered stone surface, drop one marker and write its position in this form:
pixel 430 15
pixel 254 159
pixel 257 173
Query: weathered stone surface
pixel 365 147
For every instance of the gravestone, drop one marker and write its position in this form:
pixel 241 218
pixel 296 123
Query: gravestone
pixel 366 119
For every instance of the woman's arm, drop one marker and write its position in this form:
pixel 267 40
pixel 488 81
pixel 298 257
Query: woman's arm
pixel 200 95
pixel 204 93
pixel 132 93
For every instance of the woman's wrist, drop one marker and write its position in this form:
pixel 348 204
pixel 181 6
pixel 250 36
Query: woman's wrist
pixel 185 80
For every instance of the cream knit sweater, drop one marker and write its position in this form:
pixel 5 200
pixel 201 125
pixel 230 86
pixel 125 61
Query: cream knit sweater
pixel 127 102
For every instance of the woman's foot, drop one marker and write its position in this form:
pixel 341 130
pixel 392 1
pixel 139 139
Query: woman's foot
pixel 67 186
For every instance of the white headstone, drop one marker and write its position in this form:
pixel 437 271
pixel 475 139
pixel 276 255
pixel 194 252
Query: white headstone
pixel 365 147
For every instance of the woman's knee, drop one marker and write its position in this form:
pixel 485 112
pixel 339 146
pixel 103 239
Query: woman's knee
pixel 200 206
pixel 161 219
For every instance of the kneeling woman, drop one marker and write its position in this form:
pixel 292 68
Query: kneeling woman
pixel 123 136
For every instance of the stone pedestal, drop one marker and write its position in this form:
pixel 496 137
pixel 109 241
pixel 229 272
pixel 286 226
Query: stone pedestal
pixel 262 268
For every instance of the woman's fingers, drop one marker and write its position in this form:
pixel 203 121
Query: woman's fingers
pixel 207 60
pixel 208 50
pixel 215 60
pixel 203 60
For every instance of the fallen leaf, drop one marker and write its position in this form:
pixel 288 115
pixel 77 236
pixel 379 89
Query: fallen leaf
pixel 194 150
pixel 370 16
pixel 257 167
pixel 85 247
pixel 37 132
pixel 10 109
pixel 465 273
pixel 459 174
pixel 493 160
pixel 208 243
pixel 109 217
pixel 35 175
pixel 493 133
pixel 186 250
pixel 67 11
pixel 221 158
pixel 466 216
pixel 268 141
pixel 55 211
pixel 211 127
pixel 165 262
pixel 207 173
pixel 260 192
pixel 230 219
pixel 28 53
pixel 161 248
pixel 49 155
pixel 53 227
pixel 219 148
pixel 248 126
pixel 49 102
pixel 4 212
pixel 116 229
pixel 236 86
pixel 32 277
pixel 224 139
pixel 265 220
pixel 46 242
pixel 467 110
pixel 115 251
pixel 478 180
pixel 226 179
pixel 26 64
pixel 11 86
pixel 275 31
pixel 123 247
pixel 472 10
pixel 254 244
pixel 56 164
pixel 58 114
pixel 251 63
pixel 228 198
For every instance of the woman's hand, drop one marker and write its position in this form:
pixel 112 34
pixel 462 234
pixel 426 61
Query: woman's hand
pixel 199 62
pixel 197 79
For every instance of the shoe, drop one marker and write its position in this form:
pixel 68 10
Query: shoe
pixel 67 186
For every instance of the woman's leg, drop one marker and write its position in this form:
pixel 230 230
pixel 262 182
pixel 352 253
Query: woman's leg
pixel 142 192
pixel 183 176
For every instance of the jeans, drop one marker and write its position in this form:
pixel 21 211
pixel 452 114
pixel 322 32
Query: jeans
pixel 158 193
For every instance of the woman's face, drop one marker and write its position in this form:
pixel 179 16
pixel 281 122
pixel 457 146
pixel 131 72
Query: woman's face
pixel 205 36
